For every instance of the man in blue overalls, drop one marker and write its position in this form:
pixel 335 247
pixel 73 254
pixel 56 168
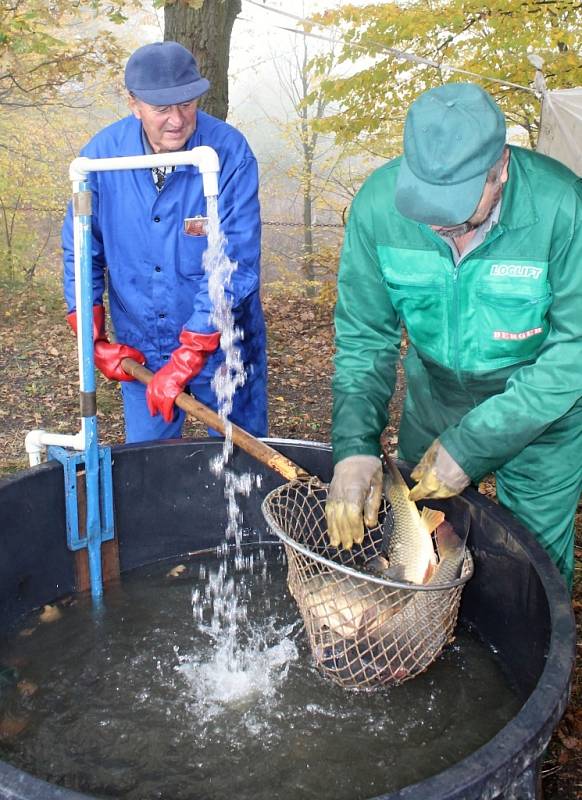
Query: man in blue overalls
pixel 146 239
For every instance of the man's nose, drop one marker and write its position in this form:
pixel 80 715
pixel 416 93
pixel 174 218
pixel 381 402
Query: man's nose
pixel 175 116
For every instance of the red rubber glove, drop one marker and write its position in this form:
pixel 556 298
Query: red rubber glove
pixel 108 355
pixel 184 364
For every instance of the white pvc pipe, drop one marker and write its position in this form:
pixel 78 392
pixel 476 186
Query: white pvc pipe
pixel 203 157
pixel 77 235
pixel 206 159
pixel 37 441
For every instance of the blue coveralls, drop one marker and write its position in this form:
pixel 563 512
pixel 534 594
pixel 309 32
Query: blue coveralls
pixel 155 279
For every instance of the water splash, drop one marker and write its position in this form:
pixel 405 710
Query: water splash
pixel 237 677
pixel 244 662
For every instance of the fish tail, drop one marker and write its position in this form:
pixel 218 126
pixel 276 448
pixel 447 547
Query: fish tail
pixel 447 540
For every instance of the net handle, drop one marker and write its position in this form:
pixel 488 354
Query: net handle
pixel 250 444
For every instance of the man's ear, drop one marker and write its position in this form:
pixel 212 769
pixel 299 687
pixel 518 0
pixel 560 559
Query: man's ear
pixel 133 104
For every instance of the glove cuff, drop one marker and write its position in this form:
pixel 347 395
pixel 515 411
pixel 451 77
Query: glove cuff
pixel 449 472
pixel 98 323
pixel 359 462
pixel 203 342
pixel 188 359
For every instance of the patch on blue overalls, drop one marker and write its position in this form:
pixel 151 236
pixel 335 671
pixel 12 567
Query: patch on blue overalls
pixel 196 226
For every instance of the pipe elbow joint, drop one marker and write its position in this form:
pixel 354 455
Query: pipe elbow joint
pixel 33 441
pixel 79 168
pixel 206 159
pixel 34 446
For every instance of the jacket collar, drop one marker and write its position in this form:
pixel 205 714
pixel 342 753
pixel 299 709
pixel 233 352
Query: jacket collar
pixel 517 204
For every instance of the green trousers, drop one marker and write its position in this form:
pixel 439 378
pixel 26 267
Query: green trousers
pixel 541 486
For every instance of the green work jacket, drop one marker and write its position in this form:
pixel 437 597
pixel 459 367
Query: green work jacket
pixel 500 334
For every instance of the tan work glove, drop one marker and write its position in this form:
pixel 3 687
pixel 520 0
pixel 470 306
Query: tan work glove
pixel 354 496
pixel 437 475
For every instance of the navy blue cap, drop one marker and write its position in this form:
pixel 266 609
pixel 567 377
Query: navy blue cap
pixel 164 74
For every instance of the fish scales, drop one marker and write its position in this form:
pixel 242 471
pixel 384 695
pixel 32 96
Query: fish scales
pixel 409 549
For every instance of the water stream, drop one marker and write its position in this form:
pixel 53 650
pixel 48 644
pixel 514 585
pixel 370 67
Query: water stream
pixel 223 597
pixel 230 375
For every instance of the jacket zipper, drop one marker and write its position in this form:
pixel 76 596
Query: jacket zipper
pixel 493 234
pixel 456 298
pixel 456 312
pixel 445 249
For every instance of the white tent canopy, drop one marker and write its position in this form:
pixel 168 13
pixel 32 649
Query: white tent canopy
pixel 561 127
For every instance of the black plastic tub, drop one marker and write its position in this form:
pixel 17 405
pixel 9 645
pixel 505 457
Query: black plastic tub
pixel 167 502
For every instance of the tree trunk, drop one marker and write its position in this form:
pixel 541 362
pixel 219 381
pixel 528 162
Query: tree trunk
pixel 308 255
pixel 206 33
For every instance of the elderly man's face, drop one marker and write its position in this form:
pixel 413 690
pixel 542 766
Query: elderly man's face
pixel 491 195
pixel 168 128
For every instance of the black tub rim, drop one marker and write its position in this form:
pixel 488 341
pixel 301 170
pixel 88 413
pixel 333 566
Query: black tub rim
pixel 489 770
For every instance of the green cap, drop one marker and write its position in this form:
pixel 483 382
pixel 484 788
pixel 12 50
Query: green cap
pixel 453 135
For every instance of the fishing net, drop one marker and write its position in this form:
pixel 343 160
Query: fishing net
pixel 364 631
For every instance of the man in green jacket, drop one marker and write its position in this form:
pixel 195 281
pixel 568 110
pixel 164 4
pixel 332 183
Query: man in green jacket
pixel 476 248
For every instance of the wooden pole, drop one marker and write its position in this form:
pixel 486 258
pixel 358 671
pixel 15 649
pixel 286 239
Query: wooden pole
pixel 250 444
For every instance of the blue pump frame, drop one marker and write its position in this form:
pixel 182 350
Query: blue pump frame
pixel 98 477
pixel 70 462
pixel 99 525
